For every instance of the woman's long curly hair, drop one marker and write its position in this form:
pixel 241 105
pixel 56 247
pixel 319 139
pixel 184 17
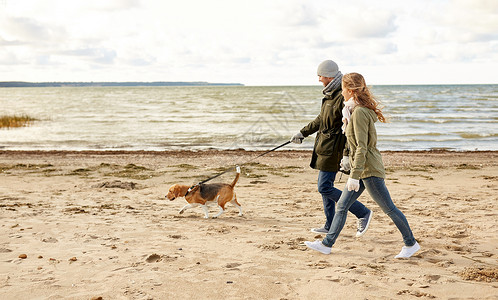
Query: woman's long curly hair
pixel 361 93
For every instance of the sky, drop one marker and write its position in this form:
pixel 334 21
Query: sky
pixel 253 42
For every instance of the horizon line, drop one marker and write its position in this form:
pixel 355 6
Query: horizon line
pixel 16 83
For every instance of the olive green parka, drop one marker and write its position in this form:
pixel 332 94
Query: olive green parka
pixel 365 158
pixel 329 141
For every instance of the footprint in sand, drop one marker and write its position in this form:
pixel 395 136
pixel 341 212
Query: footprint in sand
pixel 322 264
pixel 415 293
pixel 430 255
pixel 153 258
pixel 49 240
pixel 176 236
pixel 432 278
pixel 233 266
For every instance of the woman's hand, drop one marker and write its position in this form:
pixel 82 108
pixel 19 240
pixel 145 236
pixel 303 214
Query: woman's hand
pixel 353 184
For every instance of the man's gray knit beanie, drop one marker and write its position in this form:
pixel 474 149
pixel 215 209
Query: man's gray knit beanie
pixel 328 68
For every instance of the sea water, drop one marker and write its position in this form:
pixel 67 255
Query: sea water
pixel 421 117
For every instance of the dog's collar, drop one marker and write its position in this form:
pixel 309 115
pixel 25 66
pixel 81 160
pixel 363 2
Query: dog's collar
pixel 190 189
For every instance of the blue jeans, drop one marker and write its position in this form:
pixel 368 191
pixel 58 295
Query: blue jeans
pixel 377 189
pixel 331 195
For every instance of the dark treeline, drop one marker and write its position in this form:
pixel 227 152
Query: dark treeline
pixel 83 84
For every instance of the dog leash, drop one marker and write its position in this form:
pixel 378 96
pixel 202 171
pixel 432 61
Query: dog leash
pixel 230 169
pixel 343 172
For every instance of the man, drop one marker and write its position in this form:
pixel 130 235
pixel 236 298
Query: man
pixel 329 146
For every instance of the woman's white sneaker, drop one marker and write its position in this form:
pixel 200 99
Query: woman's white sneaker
pixel 318 246
pixel 408 251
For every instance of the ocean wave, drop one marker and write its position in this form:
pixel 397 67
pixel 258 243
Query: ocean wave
pixel 443 120
pixel 253 118
pixel 441 139
pixel 467 135
pixel 390 134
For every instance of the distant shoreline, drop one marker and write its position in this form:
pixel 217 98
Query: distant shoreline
pixel 111 84
pixel 187 83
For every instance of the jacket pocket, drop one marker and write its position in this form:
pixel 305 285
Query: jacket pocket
pixel 327 143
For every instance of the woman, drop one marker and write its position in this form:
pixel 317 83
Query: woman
pixel 367 169
pixel 329 146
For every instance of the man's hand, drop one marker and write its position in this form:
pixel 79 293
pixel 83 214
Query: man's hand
pixel 298 138
pixel 345 165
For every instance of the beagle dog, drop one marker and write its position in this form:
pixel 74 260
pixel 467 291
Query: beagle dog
pixel 206 194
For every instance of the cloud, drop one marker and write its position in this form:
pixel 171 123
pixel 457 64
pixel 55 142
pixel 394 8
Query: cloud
pixel 141 62
pixel 8 58
pixel 29 34
pixel 463 21
pixel 111 5
pixel 24 29
pixel 254 42
pixel 46 60
pixel 4 42
pixel 368 24
pixel 301 14
pixel 97 55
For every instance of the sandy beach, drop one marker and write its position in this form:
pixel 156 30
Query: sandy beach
pixel 96 225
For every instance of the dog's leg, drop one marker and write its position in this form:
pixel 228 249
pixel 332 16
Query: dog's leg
pixel 184 208
pixel 206 211
pixel 234 202
pixel 220 212
pixel 222 209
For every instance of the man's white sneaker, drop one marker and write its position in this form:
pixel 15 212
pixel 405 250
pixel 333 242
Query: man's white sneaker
pixel 318 246
pixel 408 251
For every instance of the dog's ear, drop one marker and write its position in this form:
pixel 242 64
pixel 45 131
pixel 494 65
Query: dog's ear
pixel 177 190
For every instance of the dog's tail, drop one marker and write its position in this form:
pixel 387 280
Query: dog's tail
pixel 236 177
